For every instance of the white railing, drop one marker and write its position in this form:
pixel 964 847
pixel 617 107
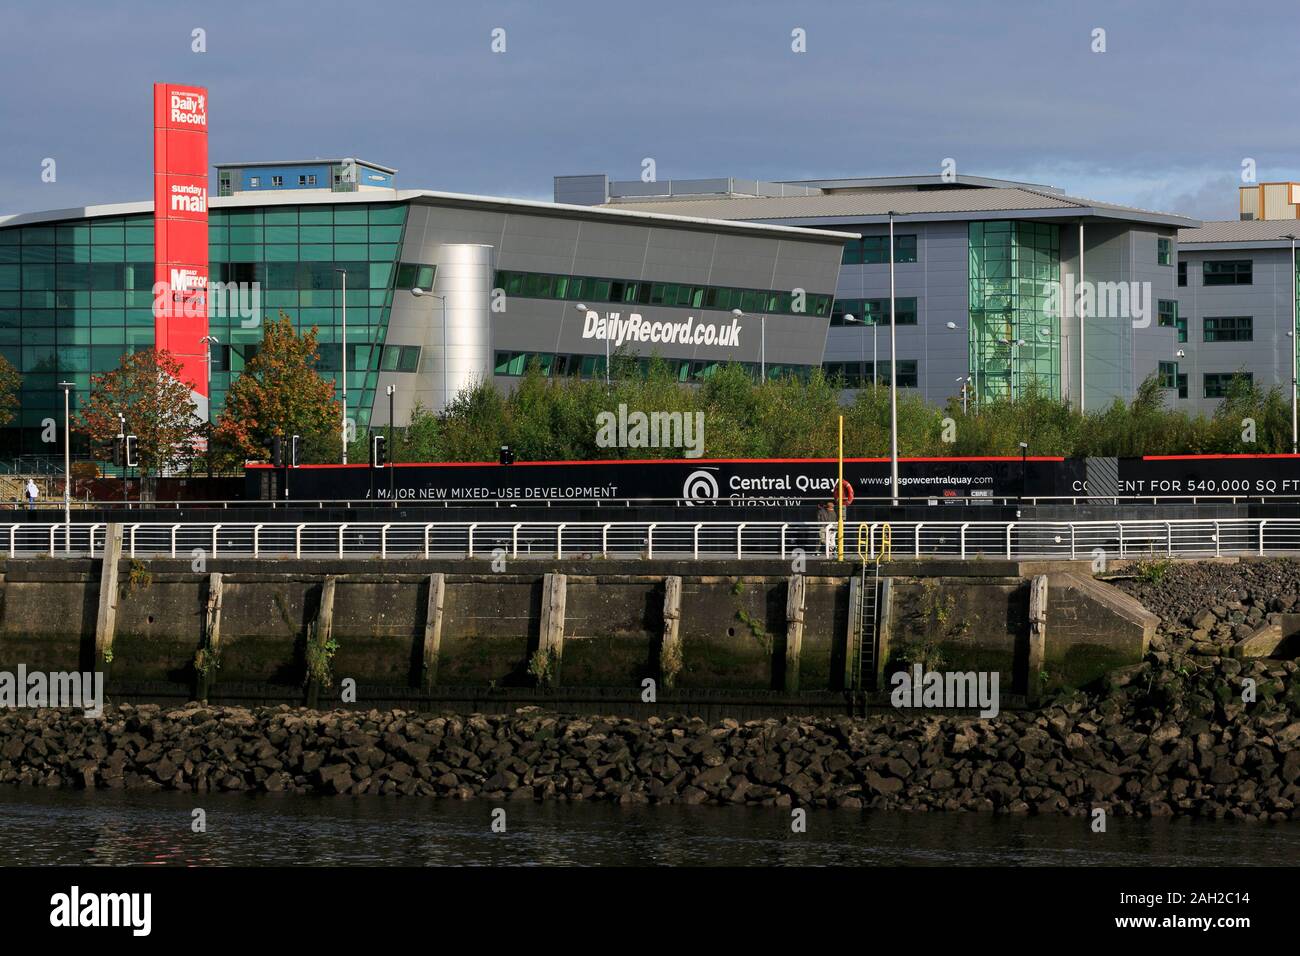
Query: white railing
pixel 968 540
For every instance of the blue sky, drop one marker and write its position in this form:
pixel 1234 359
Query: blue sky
pixel 1163 119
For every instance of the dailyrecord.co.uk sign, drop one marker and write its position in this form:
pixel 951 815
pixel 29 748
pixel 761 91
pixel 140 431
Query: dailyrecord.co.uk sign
pixel 180 219
pixel 634 328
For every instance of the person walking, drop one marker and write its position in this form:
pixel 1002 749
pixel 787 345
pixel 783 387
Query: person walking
pixel 826 518
pixel 32 493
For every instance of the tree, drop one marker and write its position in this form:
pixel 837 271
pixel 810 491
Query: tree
pixel 280 394
pixel 146 388
pixel 10 382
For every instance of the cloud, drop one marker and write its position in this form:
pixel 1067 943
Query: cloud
pixel 1161 119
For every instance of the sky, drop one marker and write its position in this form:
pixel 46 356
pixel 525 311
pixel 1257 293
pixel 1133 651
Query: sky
pixel 1163 118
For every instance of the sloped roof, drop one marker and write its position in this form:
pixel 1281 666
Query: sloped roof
pixel 302 197
pixel 940 203
pixel 1243 231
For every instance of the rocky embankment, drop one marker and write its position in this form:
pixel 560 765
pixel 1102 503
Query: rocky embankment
pixel 1168 736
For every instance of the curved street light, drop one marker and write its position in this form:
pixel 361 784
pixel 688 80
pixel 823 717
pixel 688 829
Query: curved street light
pixel 442 299
pixel 582 307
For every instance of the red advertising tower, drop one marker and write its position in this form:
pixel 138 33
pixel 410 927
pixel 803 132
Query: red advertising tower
pixel 180 221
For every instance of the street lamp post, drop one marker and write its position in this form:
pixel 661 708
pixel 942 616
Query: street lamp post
pixel 392 389
pixel 965 380
pixel 893 373
pixel 851 319
pixel 582 307
pixel 121 433
pixel 762 343
pixel 1294 382
pixel 209 341
pixel 343 358
pixel 1024 455
pixel 67 466
pixel 442 300
pixel 1013 360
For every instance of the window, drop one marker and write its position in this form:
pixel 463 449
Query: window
pixel 850 373
pixel 1168 374
pixel 1228 272
pixel 254 182
pixel 277 180
pixel 874 311
pixel 1167 309
pixel 410 359
pixel 1182 384
pixel 1216 383
pixel 220 358
pixel 412 275
pixel 1182 273
pixel 875 249
pixel 1235 328
pixel 1164 252
pixel 907 373
pixel 1180 323
pixel 669 294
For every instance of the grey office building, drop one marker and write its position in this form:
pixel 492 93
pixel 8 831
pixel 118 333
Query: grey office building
pixel 501 281
pixel 986 273
pixel 778 276
pixel 1236 304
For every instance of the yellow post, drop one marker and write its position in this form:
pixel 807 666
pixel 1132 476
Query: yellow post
pixel 839 496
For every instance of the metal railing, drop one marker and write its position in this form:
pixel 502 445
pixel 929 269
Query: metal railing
pixel 754 501
pixel 965 540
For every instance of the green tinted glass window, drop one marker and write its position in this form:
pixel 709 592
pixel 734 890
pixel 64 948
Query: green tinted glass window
pixel 410 359
pixel 390 214
pixel 1236 328
pixel 1228 272
pixel 355 214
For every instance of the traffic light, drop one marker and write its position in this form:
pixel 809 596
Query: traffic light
pixel 378 451
pixel 507 455
pixel 119 452
pixel 294 444
pixel 277 452
pixel 131 460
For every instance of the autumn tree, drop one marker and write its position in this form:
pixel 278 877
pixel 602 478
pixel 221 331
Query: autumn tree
pixel 146 388
pixel 280 394
pixel 10 382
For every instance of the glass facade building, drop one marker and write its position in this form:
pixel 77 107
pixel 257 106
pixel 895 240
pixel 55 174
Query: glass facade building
pixel 1015 304
pixel 76 295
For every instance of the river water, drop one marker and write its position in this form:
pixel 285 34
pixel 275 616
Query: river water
pixel 48 826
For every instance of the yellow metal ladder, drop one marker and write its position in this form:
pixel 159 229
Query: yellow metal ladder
pixel 866 616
